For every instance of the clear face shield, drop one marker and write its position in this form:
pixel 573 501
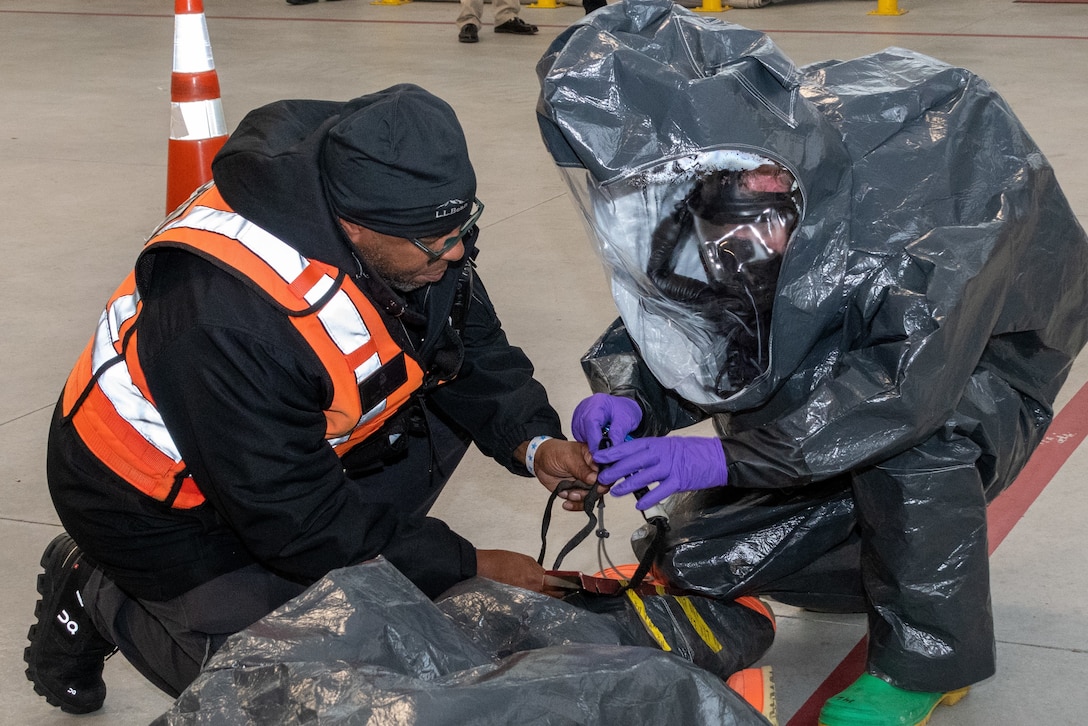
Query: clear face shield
pixel 693 249
pixel 740 222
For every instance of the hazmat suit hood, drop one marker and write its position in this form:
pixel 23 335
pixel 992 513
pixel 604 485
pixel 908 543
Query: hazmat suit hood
pixel 936 275
pixel 638 104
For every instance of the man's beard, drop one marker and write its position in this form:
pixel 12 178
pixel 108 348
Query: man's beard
pixel 399 281
pixel 403 285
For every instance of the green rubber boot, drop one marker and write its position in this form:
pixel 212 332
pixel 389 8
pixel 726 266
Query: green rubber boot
pixel 870 701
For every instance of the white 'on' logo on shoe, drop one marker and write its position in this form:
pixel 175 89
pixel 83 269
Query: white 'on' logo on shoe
pixel 66 620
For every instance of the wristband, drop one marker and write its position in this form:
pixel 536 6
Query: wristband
pixel 530 452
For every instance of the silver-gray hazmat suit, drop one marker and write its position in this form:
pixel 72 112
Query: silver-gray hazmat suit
pixel 928 306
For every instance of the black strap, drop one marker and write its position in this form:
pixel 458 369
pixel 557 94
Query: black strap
pixel 593 500
pixel 657 545
pixel 175 488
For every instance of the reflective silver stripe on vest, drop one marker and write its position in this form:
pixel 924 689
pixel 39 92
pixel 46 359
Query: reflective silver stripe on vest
pixel 339 316
pixel 116 382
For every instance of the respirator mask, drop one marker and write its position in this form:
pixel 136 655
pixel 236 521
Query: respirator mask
pixel 740 221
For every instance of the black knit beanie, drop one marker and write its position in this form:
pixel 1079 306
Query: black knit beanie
pixel 397 163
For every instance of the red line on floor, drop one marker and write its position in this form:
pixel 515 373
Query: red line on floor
pixel 1065 434
pixel 213 16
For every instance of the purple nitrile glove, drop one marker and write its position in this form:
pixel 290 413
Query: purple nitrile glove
pixel 602 412
pixel 678 464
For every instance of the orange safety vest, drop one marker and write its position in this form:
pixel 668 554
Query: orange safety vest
pixel 106 395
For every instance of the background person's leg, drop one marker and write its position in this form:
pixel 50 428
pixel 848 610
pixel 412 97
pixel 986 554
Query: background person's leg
pixel 470 12
pixel 505 10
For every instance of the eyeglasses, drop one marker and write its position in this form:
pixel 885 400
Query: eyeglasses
pixel 450 242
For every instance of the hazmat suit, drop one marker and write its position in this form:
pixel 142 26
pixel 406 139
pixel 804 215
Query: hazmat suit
pixel 921 320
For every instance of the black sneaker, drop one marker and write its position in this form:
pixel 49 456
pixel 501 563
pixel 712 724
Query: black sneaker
pixel 516 26
pixel 66 653
pixel 469 34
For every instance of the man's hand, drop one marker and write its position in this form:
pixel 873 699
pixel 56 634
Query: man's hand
pixel 513 568
pixel 557 460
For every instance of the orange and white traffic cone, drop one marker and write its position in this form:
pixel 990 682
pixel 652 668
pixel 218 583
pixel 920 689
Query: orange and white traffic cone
pixel 197 127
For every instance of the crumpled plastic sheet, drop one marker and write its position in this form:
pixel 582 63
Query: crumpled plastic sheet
pixel 503 620
pixel 364 646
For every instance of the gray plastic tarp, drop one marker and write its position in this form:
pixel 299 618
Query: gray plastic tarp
pixel 364 646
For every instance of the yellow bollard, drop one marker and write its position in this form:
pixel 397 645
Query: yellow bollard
pixel 887 7
pixel 712 6
pixel 546 4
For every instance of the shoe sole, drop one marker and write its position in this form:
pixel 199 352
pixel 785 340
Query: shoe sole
pixel 949 699
pixel 46 593
pixel 756 687
pixel 498 29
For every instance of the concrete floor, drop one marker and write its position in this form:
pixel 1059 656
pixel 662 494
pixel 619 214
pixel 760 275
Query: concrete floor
pixel 84 89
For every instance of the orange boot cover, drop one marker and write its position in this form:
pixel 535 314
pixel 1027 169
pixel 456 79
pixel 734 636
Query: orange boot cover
pixel 756 686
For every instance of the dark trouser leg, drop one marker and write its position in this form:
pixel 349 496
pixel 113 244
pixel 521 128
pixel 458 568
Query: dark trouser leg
pixel 925 566
pixel 830 584
pixel 800 544
pixel 168 642
pixel 922 568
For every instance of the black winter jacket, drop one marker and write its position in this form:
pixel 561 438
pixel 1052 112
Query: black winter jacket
pixel 243 397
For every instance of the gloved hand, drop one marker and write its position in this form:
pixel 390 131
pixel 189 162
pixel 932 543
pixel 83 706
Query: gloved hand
pixel 593 415
pixel 678 464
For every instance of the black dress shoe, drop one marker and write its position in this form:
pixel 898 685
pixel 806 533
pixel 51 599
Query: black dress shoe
pixel 469 34
pixel 516 26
